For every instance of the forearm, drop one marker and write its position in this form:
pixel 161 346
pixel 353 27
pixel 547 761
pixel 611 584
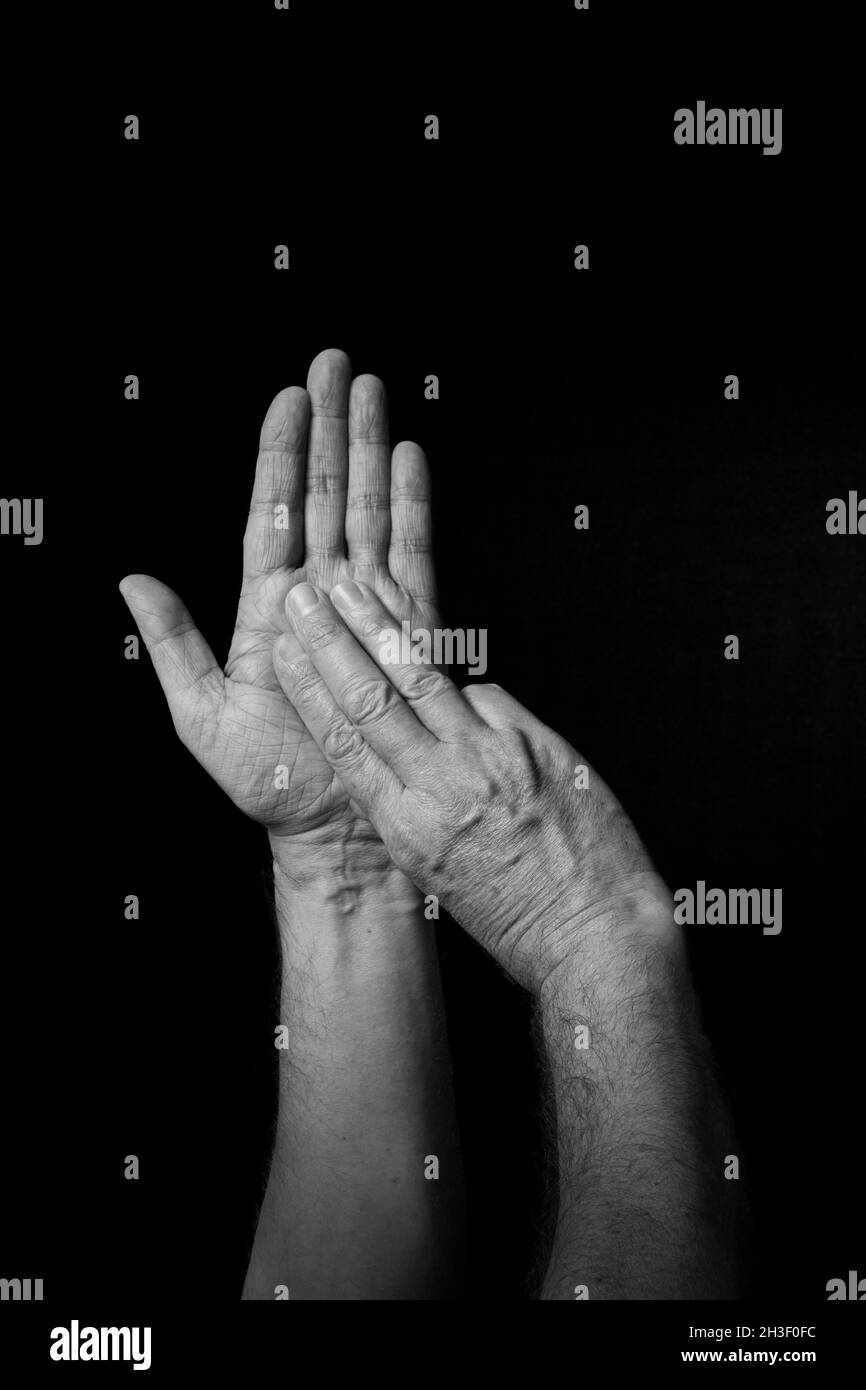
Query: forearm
pixel 365 1098
pixel 642 1134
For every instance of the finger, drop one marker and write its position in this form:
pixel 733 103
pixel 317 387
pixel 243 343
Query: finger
pixel 358 685
pixel 327 455
pixel 499 709
pixel 525 736
pixel 187 669
pixel 398 651
pixel 275 527
pixel 368 501
pixel 410 556
pixel 371 784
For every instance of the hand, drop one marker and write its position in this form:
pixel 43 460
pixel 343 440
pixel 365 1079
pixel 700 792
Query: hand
pixel 324 460
pixel 474 798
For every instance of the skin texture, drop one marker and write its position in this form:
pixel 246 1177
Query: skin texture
pixel 364 1090
pixel 351 510
pixel 473 796
pixel 476 801
pixel 400 782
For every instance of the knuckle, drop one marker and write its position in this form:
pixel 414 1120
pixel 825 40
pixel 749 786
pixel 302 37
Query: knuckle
pixel 343 744
pixel 422 683
pixel 322 632
pixel 465 806
pixel 445 835
pixel 444 812
pixel 323 480
pixel 304 680
pixel 409 846
pixel 484 699
pixel 368 625
pixel 411 545
pixel 481 691
pixel 368 502
pixel 521 759
pixel 369 701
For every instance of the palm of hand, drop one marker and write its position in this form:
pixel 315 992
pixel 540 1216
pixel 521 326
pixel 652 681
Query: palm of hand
pixel 349 510
pixel 258 729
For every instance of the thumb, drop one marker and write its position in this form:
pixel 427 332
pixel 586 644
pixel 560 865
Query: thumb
pixel 183 661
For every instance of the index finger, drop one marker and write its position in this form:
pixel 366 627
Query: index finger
pixel 274 534
pixel 358 685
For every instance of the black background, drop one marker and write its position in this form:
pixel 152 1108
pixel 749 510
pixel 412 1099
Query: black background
pixel 558 387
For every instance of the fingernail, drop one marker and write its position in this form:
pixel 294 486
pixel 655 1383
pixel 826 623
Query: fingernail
pixel 303 598
pixel 348 594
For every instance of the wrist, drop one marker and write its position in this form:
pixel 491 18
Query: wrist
pixel 629 939
pixel 346 857
pixel 621 1002
pixel 344 911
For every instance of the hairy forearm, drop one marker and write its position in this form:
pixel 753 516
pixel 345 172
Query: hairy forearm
pixel 365 1097
pixel 642 1134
